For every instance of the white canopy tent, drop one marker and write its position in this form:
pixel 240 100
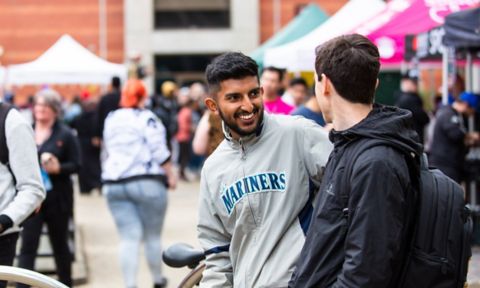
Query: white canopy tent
pixel 66 62
pixel 299 55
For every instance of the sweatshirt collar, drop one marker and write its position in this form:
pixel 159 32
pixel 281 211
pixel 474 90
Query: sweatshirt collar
pixel 248 138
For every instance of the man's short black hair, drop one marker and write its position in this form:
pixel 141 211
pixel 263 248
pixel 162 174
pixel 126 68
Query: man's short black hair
pixel 279 71
pixel 230 65
pixel 116 82
pixel 298 81
pixel 352 63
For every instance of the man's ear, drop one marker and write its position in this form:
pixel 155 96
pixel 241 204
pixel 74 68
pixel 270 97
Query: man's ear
pixel 211 105
pixel 326 85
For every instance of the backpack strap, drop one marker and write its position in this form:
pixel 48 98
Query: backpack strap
pixel 4 109
pixel 352 153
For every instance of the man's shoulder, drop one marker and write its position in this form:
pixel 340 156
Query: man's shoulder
pixel 14 120
pixel 300 110
pixel 289 121
pixel 370 154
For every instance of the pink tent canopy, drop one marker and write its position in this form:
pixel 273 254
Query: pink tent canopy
pixel 401 17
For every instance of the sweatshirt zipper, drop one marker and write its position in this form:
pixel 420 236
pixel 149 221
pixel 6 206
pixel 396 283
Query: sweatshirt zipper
pixel 243 158
pixel 242 148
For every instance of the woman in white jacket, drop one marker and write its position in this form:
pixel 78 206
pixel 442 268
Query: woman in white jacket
pixel 136 174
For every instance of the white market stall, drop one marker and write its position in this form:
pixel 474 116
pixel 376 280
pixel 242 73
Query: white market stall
pixel 299 55
pixel 66 62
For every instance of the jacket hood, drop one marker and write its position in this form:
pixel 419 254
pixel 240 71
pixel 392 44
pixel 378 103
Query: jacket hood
pixel 385 123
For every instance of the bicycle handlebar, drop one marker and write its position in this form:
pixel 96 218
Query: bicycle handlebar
pixel 24 276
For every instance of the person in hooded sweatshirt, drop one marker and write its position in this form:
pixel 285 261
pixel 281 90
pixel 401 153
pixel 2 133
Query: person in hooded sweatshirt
pixel 358 234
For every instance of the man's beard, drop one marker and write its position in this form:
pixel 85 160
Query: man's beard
pixel 234 127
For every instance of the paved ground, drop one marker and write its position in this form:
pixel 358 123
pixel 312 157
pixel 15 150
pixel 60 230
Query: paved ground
pixel 100 241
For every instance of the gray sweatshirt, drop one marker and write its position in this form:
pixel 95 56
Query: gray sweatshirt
pixel 18 201
pixel 255 202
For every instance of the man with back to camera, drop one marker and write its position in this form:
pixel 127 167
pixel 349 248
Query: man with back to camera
pixel 408 98
pixel 108 103
pixel 255 201
pixel 450 139
pixel 21 188
pixel 271 81
pixel 360 225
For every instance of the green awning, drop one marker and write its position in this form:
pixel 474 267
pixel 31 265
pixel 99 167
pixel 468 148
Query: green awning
pixel 310 18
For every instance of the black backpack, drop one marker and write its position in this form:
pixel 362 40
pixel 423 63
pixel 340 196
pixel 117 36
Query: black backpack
pixel 440 246
pixel 4 109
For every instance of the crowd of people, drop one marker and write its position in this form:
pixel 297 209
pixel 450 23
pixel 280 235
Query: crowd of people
pixel 272 211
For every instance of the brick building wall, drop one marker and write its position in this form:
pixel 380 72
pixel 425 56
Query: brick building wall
pixel 288 10
pixel 29 27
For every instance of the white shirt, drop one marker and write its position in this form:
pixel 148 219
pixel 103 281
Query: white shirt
pixel 135 144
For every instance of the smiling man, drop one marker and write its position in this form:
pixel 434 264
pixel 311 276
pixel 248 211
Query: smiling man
pixel 257 186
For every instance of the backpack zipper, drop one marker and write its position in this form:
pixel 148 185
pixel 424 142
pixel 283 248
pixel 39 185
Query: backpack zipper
pixel 449 219
pixel 430 215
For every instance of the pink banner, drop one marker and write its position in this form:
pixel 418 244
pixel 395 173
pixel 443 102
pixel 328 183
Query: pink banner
pixel 401 17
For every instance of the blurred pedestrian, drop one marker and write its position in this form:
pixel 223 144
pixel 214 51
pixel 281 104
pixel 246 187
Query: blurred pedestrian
pixel 208 134
pixel 184 134
pixel 408 98
pixel 108 103
pixel 21 188
pixel 311 110
pixel 136 174
pixel 296 93
pixel 59 158
pixel 450 137
pixel 271 80
pixel 73 109
pixel 165 106
pixel 89 176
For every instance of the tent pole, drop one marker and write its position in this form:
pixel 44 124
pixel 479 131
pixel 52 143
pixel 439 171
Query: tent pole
pixel 102 23
pixel 471 119
pixel 277 17
pixel 445 76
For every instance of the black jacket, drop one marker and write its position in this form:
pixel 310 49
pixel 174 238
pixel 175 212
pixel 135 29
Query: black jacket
pixel 448 147
pixel 413 103
pixel 63 144
pixel 364 248
pixel 108 103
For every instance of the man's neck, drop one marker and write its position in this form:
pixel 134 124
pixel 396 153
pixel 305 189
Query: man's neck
pixel 347 114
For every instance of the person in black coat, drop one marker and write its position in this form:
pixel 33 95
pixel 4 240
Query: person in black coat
pixel 408 98
pixel 59 158
pixel 358 235
pixel 450 137
pixel 108 103
pixel 84 124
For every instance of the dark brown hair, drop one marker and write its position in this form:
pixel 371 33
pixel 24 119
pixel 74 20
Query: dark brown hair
pixel 351 62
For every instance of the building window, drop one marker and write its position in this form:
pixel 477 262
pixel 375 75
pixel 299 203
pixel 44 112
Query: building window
pixel 181 68
pixel 181 14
